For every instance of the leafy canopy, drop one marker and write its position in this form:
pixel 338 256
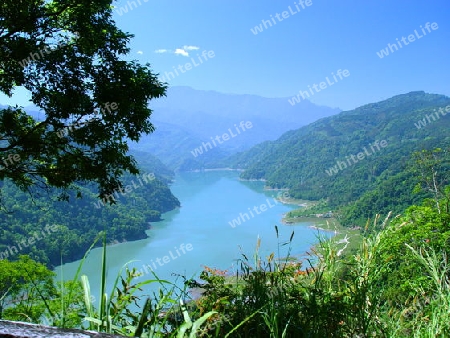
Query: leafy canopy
pixel 69 55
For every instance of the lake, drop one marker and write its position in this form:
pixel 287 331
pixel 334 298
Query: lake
pixel 202 232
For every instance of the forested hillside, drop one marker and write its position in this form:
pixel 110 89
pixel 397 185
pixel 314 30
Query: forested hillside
pixel 176 146
pixel 45 227
pixel 364 151
pixel 187 118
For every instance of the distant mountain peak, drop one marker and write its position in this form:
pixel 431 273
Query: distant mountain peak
pixel 199 116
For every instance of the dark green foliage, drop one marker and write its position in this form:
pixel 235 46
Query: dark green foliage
pixel 78 222
pixel 300 158
pixel 422 227
pixel 394 194
pixel 70 56
pixel 397 284
pixel 68 226
pixel 22 281
pixel 425 175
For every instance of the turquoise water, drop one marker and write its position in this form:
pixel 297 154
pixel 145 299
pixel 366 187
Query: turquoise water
pixel 199 233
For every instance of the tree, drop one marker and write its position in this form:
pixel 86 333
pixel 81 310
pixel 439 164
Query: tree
pixel 22 282
pixel 421 227
pixel 70 56
pixel 431 168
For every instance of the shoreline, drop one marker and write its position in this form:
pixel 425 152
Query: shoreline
pixel 252 180
pixel 323 229
pixel 117 242
pixel 346 238
pixel 213 169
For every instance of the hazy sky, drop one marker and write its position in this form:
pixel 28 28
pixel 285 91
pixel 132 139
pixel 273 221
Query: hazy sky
pixel 300 50
pixel 306 44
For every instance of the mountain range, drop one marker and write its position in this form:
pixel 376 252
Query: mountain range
pixel 188 122
pixel 360 157
pixel 188 119
pixel 358 160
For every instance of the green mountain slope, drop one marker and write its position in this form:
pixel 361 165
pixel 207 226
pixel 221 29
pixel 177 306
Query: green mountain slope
pixel 321 160
pixel 46 228
pixel 176 147
pixel 187 120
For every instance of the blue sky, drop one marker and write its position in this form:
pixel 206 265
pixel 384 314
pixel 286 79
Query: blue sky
pixel 299 51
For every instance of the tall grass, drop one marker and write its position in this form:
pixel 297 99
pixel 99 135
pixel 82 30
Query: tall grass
pixel 333 297
pixel 327 295
pixel 163 315
pixel 425 314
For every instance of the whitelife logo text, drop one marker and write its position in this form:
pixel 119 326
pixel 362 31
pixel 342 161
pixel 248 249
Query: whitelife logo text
pixel 243 126
pixel 352 158
pixel 129 188
pixel 258 209
pixel 319 87
pixel 265 24
pixel 184 248
pixel 391 48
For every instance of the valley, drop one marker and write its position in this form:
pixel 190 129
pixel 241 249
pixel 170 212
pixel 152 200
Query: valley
pixel 184 169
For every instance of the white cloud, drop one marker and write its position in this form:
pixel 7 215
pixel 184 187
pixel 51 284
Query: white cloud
pixel 181 51
pixel 140 52
pixel 178 51
pixel 190 47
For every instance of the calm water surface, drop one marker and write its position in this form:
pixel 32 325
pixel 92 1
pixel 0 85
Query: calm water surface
pixel 209 202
